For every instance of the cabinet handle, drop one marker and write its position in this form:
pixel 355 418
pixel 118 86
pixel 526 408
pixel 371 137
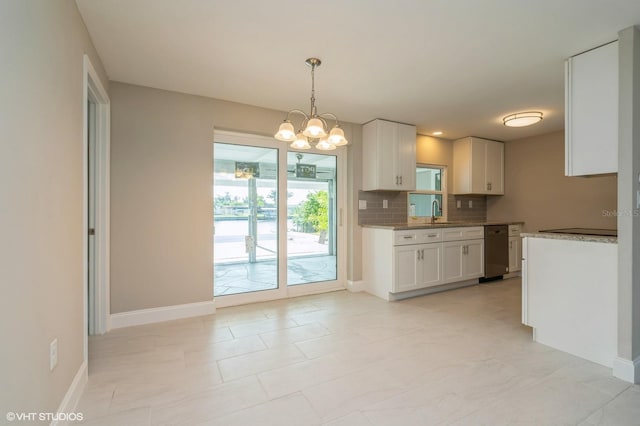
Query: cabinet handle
pixel 408 237
pixel 465 249
pixel 400 180
pixel 510 244
pixel 432 235
pixel 489 186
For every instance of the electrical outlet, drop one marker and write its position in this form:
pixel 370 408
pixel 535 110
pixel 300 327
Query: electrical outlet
pixel 458 204
pixel 362 204
pixel 385 204
pixel 470 204
pixel 53 354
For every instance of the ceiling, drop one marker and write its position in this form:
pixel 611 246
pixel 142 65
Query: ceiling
pixel 453 65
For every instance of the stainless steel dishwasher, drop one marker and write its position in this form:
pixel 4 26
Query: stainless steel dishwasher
pixel 496 251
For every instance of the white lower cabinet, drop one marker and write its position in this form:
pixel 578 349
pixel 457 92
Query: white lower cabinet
pixel 463 260
pixel 395 262
pixel 417 266
pixel 515 249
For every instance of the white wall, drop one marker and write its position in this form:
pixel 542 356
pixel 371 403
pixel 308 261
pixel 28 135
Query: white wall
pixel 41 237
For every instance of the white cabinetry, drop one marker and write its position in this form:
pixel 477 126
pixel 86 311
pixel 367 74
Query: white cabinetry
pixel 591 112
pixel 478 166
pixel 464 259
pixel 515 249
pixel 417 266
pixel 417 259
pixel 389 156
pixel 397 262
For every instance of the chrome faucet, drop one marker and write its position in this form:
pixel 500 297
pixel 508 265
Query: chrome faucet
pixel 434 203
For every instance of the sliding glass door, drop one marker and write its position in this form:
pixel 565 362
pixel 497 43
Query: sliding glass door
pixel 268 201
pixel 245 193
pixel 311 212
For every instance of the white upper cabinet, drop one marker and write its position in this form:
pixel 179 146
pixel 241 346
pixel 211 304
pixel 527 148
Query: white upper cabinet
pixel 591 112
pixel 389 156
pixel 478 166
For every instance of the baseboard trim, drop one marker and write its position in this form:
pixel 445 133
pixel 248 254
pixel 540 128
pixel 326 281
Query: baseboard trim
pixel 627 370
pixel 430 290
pixel 73 395
pixel 355 286
pixel 165 313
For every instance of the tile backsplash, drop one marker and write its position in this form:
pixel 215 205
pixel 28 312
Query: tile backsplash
pixel 397 209
pixel 396 212
pixel 477 212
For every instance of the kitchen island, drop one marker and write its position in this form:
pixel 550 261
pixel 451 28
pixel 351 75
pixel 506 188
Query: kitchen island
pixel 569 293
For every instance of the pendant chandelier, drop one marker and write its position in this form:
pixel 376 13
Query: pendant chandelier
pixel 314 128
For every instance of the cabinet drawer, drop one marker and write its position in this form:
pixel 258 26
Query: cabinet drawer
pixel 418 236
pixel 469 233
pixel 514 230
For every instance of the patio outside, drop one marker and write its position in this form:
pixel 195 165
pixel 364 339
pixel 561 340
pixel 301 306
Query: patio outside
pixel 308 259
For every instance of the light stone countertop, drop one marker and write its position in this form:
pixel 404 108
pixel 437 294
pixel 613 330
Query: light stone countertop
pixel 571 237
pixel 405 226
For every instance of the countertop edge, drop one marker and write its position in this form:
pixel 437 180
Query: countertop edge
pixel 407 226
pixel 571 237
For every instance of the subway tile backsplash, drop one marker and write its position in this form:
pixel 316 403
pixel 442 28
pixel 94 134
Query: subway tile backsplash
pixel 476 213
pixel 376 214
pixel 397 209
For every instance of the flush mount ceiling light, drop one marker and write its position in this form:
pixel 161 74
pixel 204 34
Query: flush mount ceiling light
pixel 437 133
pixel 314 128
pixel 521 119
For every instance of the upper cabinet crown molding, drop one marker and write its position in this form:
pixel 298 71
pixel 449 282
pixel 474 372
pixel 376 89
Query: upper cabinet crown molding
pixel 389 156
pixel 478 166
pixel 591 112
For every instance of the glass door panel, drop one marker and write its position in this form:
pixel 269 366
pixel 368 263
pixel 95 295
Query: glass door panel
pixel 245 200
pixel 311 218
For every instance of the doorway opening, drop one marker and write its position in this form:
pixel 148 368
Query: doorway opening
pixel 95 260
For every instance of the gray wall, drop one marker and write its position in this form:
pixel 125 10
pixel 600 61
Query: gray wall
pixel 41 234
pixel 538 192
pixel 161 192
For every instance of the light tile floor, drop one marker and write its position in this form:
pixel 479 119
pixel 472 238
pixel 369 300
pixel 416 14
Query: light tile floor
pixel 460 357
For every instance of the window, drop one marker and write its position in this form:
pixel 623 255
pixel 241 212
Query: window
pixel 431 182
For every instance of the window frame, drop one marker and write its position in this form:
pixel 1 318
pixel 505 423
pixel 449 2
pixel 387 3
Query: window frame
pixel 442 192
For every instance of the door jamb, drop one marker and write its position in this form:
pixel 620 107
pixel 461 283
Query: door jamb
pixel 92 87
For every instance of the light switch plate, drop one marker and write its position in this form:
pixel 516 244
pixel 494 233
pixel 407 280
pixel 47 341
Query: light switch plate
pixel 470 204
pixel 362 204
pixel 385 204
pixel 458 204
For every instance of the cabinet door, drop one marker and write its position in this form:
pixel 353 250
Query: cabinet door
pixel 478 166
pixel 452 269
pixel 388 155
pixel 591 112
pixel 406 157
pixel 431 260
pixel 494 168
pixel 407 268
pixel 515 257
pixel 473 259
